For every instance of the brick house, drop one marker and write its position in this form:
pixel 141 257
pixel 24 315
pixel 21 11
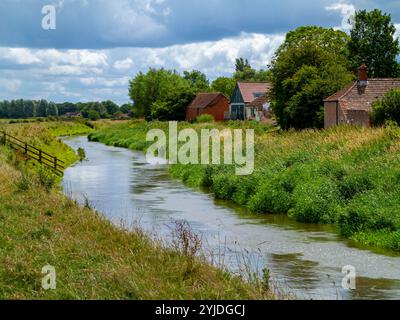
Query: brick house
pixel 249 101
pixel 215 104
pixel 352 105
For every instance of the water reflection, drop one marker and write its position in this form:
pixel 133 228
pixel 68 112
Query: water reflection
pixel 307 260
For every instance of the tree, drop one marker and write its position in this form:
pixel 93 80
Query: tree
pixel 308 67
pixel 372 42
pixel 387 109
pixel 174 108
pixel 224 85
pixel 242 64
pixel 52 109
pixel 110 106
pixel 42 108
pixel 244 72
pixel 93 115
pixel 126 108
pixel 198 80
pixel 29 109
pixel 155 86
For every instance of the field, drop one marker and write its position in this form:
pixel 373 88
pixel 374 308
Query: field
pixel 93 259
pixel 347 176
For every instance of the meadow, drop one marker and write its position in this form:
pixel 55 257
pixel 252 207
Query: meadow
pixel 93 258
pixel 347 176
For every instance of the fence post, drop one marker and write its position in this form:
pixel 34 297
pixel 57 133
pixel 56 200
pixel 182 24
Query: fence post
pixel 40 156
pixel 55 163
pixel 5 137
pixel 26 148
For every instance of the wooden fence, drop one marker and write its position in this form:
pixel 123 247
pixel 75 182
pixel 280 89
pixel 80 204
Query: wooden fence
pixel 33 153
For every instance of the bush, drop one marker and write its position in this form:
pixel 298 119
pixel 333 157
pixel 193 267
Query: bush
pixel 355 184
pixel 316 201
pixel 93 115
pixel 81 154
pixel 372 211
pixel 388 108
pixel 46 179
pixel 271 198
pixel 224 186
pixel 205 118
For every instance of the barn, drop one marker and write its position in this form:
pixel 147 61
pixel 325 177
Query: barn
pixel 215 104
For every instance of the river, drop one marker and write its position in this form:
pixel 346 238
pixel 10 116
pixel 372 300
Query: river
pixel 304 260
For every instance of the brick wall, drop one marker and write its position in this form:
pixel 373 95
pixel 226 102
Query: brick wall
pixel 217 110
pixel 330 114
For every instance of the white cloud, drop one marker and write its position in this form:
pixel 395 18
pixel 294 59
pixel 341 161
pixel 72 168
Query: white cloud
pixel 397 34
pixel 12 85
pixel 63 62
pixel 214 58
pixel 104 74
pixel 104 82
pixel 123 64
pixel 346 10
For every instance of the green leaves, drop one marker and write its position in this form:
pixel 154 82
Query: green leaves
pixel 309 66
pixel 387 108
pixel 163 94
pixel 372 42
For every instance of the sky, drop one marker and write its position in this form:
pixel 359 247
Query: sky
pixel 97 46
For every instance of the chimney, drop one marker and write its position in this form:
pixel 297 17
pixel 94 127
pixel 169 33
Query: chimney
pixel 363 75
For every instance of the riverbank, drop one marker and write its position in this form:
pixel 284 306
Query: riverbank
pixel 92 257
pixel 345 176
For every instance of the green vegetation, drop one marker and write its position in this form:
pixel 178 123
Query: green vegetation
pixel 23 109
pixel 224 85
pixel 308 67
pixel 43 135
pixel 158 89
pixel 373 42
pixel 205 118
pixel 387 109
pixel 93 259
pixel 346 176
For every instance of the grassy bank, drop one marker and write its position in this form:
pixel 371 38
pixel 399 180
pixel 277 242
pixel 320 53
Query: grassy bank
pixel 346 176
pixel 93 259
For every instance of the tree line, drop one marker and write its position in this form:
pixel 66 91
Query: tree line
pixel 162 94
pixel 19 109
pixel 312 64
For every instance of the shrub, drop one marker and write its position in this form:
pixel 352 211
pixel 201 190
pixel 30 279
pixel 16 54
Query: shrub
pixel 388 108
pixel 46 179
pixel 93 115
pixel 81 154
pixel 224 186
pixel 23 183
pixel 355 184
pixel 372 211
pixel 272 198
pixel 205 118
pixel 316 201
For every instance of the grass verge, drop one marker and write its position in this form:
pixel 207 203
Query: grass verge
pixel 93 259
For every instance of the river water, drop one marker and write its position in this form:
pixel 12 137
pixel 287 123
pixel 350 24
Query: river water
pixel 304 260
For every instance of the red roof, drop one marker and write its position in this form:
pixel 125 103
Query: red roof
pixel 249 89
pixel 355 97
pixel 203 100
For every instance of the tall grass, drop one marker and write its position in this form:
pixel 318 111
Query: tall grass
pixel 93 258
pixel 347 176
